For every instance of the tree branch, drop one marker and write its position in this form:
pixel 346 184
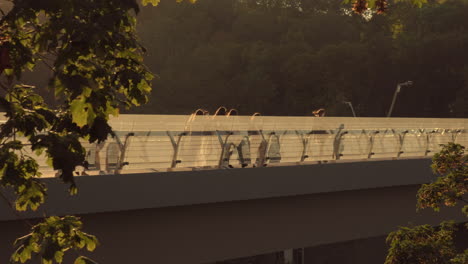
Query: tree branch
pixel 14 210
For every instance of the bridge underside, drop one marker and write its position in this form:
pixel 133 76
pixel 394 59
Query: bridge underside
pixel 206 216
pixel 212 232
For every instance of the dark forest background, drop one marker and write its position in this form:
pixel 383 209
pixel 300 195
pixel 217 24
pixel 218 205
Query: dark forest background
pixel 289 57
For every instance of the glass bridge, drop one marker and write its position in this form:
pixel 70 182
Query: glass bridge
pixel 149 143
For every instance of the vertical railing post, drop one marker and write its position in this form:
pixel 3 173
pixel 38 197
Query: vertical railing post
pixel 262 151
pixel 276 158
pixel 305 144
pixel 243 149
pixel 337 142
pixel 96 163
pixel 175 146
pixel 225 149
pixel 455 134
pixel 371 143
pixel 123 150
pixel 400 139
pixel 429 136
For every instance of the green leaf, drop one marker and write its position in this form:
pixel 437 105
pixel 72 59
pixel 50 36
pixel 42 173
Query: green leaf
pixel 153 2
pixel 91 115
pixel 84 260
pixel 50 162
pixel 90 245
pixel 21 254
pixel 2 171
pixel 25 254
pixel 87 91
pixel 79 260
pixel 112 110
pixel 144 86
pixel 9 72
pixel 78 111
pixel 59 256
pixel 31 195
pixel 39 152
pixel 73 190
pixel 57 86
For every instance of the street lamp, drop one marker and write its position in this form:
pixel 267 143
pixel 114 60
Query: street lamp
pixel 398 88
pixel 350 106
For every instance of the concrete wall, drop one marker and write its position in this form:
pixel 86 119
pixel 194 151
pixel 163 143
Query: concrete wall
pixel 109 193
pixel 210 232
pixel 199 217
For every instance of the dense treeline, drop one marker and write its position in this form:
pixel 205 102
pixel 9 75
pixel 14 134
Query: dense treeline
pixel 282 57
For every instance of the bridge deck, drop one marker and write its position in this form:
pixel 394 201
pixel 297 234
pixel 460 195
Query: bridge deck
pixel 146 143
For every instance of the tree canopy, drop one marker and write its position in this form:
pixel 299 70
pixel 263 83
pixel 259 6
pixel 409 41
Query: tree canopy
pixel 95 63
pixel 257 56
pixel 427 244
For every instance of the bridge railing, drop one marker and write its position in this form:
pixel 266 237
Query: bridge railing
pixel 171 142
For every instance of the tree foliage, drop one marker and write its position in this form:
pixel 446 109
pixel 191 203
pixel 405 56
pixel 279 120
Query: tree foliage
pixel 379 6
pixel 422 244
pixel 91 49
pixel 52 238
pixel 426 244
pixel 278 59
pixel 452 164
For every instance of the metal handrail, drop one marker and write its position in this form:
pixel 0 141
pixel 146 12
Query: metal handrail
pixel 165 143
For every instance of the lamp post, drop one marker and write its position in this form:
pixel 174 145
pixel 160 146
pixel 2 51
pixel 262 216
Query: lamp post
pixel 350 106
pixel 398 88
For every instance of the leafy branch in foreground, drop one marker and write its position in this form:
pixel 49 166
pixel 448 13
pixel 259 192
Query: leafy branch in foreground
pixel 379 6
pixel 452 164
pixel 52 239
pixel 95 59
pixel 426 244
pixel 422 244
